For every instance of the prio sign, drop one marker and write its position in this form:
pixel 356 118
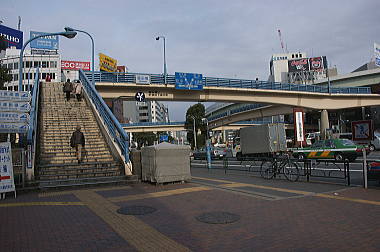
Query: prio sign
pixel 75 65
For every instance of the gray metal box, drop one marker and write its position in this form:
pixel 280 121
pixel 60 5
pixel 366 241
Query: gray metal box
pixel 263 139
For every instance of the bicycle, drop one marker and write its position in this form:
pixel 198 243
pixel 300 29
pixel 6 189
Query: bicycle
pixel 270 169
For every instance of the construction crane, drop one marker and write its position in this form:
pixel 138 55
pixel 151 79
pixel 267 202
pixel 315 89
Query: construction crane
pixel 282 43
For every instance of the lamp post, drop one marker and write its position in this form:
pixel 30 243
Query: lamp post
pixel 67 34
pixel 92 50
pixel 208 147
pixel 158 38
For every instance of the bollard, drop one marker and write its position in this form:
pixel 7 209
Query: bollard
pixel 365 178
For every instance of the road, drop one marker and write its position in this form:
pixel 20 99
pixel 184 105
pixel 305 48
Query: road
pixel 327 172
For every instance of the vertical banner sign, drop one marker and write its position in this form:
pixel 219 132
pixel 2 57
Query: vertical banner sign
pixel 299 130
pixel 377 54
pixel 7 183
pixel 12 37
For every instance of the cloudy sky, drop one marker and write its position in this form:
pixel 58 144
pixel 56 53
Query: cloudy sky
pixel 217 38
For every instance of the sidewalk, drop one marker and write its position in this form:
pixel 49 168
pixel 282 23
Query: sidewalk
pixel 265 215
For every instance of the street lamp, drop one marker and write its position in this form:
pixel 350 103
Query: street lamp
pixel 158 38
pixel 195 136
pixel 67 34
pixel 92 53
pixel 208 147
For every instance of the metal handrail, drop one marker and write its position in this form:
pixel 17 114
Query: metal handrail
pixel 147 124
pixel 32 132
pixel 117 77
pixel 113 126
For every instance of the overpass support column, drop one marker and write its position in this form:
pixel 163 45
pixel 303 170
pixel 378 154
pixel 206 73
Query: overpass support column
pixel 324 124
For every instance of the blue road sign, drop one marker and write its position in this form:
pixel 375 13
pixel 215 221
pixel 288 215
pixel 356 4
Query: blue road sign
pixel 14 106
pixel 13 117
pixel 14 127
pixel 164 138
pixel 140 96
pixel 190 81
pixel 15 95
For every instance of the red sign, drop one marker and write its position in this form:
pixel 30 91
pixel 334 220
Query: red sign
pixel 75 65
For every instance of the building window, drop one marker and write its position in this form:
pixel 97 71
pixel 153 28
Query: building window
pixel 15 65
pixel 27 64
pixel 15 77
pixel 36 64
pixel 45 64
pixel 43 75
pixel 292 56
pixel 10 66
pixel 53 64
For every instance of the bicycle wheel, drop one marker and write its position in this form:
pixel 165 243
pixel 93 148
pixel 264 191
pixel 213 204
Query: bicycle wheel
pixel 264 166
pixel 291 171
pixel 268 170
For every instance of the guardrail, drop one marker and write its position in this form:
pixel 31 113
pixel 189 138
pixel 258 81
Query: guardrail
pixel 32 132
pixel 149 124
pixel 225 82
pixel 112 124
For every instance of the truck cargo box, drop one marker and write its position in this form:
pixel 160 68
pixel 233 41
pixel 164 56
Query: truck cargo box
pixel 267 138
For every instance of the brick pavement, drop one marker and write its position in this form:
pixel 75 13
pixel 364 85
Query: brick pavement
pixel 293 217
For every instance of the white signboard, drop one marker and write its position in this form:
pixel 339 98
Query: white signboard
pixel 15 96
pixel 9 117
pixel 7 183
pixel 14 127
pixel 377 54
pixel 14 106
pixel 299 126
pixel 142 79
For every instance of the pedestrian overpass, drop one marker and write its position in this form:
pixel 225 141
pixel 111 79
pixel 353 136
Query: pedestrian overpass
pixel 115 85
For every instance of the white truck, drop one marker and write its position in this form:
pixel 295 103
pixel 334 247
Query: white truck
pixel 262 140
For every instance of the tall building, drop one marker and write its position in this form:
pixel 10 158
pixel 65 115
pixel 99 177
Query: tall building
pixel 47 63
pixel 148 111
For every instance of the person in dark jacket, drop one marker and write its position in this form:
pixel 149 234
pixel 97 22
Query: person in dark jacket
pixel 67 88
pixel 77 141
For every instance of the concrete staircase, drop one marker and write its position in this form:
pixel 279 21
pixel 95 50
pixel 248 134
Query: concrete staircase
pixel 57 165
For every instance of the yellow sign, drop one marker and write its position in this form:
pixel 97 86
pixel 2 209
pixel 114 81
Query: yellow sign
pixel 107 63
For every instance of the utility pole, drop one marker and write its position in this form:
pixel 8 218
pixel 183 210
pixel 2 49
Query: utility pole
pixel 19 23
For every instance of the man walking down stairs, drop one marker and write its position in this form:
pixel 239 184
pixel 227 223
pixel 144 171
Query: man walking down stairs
pixel 57 164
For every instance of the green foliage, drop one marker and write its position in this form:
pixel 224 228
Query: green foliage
pixel 197 112
pixel 4 76
pixel 144 138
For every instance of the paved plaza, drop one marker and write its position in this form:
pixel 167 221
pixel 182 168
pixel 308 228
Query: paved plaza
pixel 269 215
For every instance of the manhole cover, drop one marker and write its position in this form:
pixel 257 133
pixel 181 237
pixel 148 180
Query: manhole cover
pixel 136 210
pixel 218 217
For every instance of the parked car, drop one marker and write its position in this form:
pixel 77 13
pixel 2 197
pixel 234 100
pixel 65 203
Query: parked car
pixel 216 153
pixel 338 149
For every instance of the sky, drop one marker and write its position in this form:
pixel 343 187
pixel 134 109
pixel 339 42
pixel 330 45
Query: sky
pixel 217 38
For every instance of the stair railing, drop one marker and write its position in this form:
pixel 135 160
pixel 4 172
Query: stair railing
pixel 113 126
pixel 32 132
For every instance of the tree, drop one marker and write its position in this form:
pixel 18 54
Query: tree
pixel 196 111
pixel 144 138
pixel 5 76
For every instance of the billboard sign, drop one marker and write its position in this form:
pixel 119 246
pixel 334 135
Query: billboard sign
pixel 15 96
pixel 14 106
pixel 75 65
pixel 318 63
pixel 7 183
pixel 298 65
pixel 362 130
pixel 190 81
pixel 12 36
pixel 142 79
pixel 107 63
pixel 49 42
pixel 377 54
